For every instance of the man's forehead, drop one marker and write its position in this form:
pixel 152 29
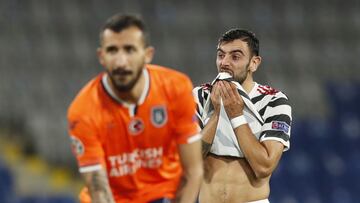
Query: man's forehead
pixel 233 46
pixel 128 35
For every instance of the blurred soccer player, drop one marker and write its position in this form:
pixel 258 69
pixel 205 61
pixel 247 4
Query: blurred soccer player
pixel 242 176
pixel 133 138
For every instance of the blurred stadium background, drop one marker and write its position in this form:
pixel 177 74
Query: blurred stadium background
pixel 310 50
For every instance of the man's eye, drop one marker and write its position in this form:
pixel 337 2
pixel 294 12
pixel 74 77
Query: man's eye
pixel 235 57
pixel 130 49
pixel 221 55
pixel 112 50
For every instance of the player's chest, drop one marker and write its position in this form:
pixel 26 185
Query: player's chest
pixel 139 125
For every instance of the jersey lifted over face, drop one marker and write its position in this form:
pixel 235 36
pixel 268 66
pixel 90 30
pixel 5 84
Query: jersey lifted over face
pixel 272 105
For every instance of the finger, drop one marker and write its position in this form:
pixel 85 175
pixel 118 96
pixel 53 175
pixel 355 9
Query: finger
pixel 215 89
pixel 232 90
pixel 215 94
pixel 224 92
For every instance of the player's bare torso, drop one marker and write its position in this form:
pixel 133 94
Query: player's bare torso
pixel 231 180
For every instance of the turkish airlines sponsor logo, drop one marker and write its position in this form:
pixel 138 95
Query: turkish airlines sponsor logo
pixel 128 163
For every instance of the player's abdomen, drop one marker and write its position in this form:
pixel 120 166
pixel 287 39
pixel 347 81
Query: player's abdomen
pixel 229 179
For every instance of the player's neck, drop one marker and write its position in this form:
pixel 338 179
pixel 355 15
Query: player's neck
pixel 134 94
pixel 248 84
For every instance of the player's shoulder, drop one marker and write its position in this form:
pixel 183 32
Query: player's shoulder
pixel 203 87
pixel 165 73
pixel 172 83
pixel 86 98
pixel 273 93
pixel 202 90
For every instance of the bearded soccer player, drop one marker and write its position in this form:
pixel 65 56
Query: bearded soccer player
pixel 133 138
pixel 245 125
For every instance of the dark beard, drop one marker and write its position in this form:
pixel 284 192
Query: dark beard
pixel 126 87
pixel 242 78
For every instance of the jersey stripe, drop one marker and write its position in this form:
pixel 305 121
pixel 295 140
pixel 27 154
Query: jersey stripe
pixel 278 134
pixel 277 102
pixel 282 117
pixel 281 109
pixel 91 168
pixel 258 98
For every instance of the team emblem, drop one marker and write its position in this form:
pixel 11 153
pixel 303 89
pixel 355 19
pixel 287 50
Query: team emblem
pixel 158 116
pixel 77 146
pixel 136 126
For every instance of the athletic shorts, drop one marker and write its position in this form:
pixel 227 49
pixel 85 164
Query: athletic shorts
pixel 162 200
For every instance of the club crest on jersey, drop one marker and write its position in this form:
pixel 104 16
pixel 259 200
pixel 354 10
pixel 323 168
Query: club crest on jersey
pixel 280 126
pixel 77 146
pixel 136 126
pixel 158 116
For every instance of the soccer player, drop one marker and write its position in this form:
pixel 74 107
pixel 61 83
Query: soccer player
pixel 241 177
pixel 133 137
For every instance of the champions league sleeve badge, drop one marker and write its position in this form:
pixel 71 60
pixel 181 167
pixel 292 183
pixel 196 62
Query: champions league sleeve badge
pixel 158 116
pixel 77 146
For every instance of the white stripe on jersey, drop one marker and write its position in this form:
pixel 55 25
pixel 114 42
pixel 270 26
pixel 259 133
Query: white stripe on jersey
pixel 261 104
pixel 278 110
pixel 91 168
pixel 285 143
pixel 194 138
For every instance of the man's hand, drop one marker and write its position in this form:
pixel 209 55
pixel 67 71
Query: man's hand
pixel 215 97
pixel 233 103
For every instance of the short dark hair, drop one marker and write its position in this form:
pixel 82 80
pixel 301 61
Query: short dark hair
pixel 120 22
pixel 244 35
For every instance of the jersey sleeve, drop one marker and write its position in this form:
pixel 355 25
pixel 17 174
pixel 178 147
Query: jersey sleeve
pixel 201 94
pixel 197 94
pixel 277 121
pixel 186 127
pixel 85 144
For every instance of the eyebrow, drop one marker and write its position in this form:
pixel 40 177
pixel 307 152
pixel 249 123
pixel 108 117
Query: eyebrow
pixel 232 51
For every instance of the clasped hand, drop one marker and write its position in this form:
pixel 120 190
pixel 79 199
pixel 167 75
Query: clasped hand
pixel 232 101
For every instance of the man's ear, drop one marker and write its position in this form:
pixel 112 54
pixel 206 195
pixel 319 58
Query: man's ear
pixel 149 54
pixel 100 56
pixel 255 63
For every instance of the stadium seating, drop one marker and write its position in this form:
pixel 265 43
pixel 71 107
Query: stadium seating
pixel 6 183
pixel 310 50
pixel 323 163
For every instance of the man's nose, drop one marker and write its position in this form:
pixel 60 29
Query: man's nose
pixel 225 61
pixel 121 60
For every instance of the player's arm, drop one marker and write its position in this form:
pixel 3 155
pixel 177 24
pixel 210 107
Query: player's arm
pixel 209 130
pixel 263 157
pixel 90 156
pixel 188 142
pixel 208 134
pixel 98 186
pixel 191 161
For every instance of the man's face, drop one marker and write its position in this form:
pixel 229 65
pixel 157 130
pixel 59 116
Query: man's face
pixel 234 58
pixel 124 55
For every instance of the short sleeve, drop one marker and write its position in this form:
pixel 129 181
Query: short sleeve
pixel 186 126
pixel 277 121
pixel 85 144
